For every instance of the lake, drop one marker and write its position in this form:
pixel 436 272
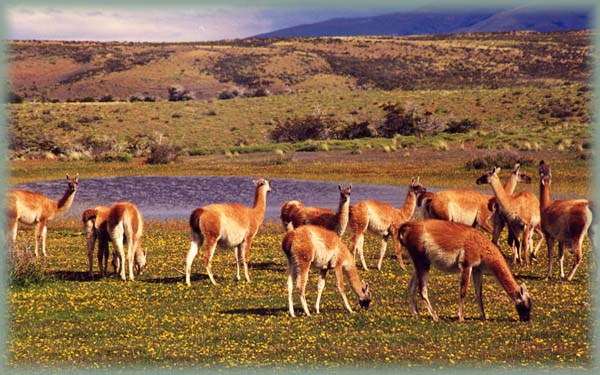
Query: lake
pixel 174 197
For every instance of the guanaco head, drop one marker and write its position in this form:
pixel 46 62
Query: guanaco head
pixel 487 178
pixel 416 186
pixel 262 182
pixel 139 261
pixel 523 304
pixel 545 173
pixel 365 299
pixel 345 192
pixel 72 183
pixel 521 177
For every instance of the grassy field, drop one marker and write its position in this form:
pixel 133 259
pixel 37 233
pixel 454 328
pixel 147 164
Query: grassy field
pixel 70 320
pixel 528 92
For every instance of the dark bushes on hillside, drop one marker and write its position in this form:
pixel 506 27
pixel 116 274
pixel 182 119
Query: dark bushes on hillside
pixel 462 126
pixel 162 154
pixel 303 128
pixel 503 159
pixel 178 93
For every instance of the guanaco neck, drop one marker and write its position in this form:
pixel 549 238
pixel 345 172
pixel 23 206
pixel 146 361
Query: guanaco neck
pixel 511 184
pixel 65 202
pixel 355 284
pixel 545 199
pixel 342 216
pixel 501 195
pixel 497 265
pixel 409 204
pixel 260 202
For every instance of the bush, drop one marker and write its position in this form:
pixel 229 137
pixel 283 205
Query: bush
pixel 303 128
pixel 226 94
pixel 24 269
pixel 398 120
pixel 462 126
pixel 113 156
pixel 178 93
pixel 106 98
pixel 162 154
pixel 357 130
pixel 14 98
pixel 502 159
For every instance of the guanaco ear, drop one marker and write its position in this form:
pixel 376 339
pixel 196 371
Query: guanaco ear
pixel 339 187
pixel 418 179
pixel 522 290
pixel 496 170
pixel 365 288
pixel 492 204
pixel 516 168
pixel 77 177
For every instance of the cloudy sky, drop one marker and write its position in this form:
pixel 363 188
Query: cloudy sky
pixel 173 23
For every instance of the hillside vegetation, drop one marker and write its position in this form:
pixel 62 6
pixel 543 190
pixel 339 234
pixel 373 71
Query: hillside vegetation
pixel 53 70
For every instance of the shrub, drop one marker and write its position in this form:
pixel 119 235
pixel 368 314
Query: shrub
pixel 226 94
pixel 303 128
pixel 162 154
pixel 462 126
pixel 178 93
pixel 502 159
pixel 357 130
pixel 398 120
pixel 149 99
pixel 106 98
pixel 87 99
pixel 113 156
pixel 24 269
pixel 14 98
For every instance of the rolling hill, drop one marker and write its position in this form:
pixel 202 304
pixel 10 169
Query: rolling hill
pixel 90 71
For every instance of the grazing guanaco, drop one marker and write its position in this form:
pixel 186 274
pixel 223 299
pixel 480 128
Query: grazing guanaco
pixel 563 221
pixel 455 247
pixel 96 228
pixel 382 220
pixel 228 225
pixel 521 212
pixel 125 222
pixel 34 208
pixel 469 207
pixel 295 214
pixel 311 245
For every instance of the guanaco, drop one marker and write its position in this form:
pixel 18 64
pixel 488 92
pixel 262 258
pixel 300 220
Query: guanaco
pixel 311 245
pixel 125 222
pixel 294 214
pixel 228 225
pixel 34 208
pixel 382 220
pixel 563 221
pixel 455 247
pixel 521 212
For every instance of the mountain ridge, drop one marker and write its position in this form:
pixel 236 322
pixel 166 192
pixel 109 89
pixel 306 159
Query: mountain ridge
pixel 430 20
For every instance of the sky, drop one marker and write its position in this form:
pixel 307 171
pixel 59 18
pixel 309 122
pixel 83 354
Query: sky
pixel 165 24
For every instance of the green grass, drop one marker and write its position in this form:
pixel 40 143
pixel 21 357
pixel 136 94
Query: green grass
pixel 244 124
pixel 156 321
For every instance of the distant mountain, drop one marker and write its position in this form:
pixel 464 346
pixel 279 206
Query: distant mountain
pixel 442 21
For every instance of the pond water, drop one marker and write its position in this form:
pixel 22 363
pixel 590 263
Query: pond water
pixel 168 197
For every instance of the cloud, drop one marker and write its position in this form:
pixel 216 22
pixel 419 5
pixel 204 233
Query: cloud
pixel 135 24
pixel 160 24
